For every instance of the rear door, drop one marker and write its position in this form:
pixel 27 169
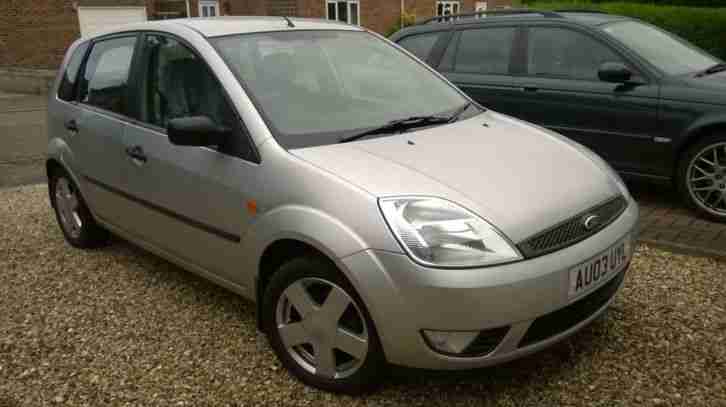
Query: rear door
pixel 192 202
pixel 99 123
pixel 561 90
pixel 481 61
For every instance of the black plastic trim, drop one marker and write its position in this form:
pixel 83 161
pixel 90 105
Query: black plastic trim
pixel 184 219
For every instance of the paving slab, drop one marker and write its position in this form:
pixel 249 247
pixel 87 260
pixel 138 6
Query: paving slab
pixel 667 222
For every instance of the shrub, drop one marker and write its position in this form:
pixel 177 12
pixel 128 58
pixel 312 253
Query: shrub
pixel 705 27
pixel 408 19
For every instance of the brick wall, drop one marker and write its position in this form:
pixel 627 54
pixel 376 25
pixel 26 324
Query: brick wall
pixel 377 15
pixel 36 34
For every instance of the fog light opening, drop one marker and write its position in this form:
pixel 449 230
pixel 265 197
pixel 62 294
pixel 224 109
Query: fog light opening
pixel 465 343
pixel 449 342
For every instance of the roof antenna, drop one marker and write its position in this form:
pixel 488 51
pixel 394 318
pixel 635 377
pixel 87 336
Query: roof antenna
pixel 289 22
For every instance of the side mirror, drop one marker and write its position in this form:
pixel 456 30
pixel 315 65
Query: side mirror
pixel 615 72
pixel 195 131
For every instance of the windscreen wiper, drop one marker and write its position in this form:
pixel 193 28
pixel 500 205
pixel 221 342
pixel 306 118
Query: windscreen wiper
pixel 399 125
pixel 408 123
pixel 455 116
pixel 712 69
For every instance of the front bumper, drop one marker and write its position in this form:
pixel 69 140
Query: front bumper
pixel 404 298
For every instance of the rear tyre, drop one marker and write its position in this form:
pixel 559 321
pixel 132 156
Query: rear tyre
pixel 319 328
pixel 75 220
pixel 702 177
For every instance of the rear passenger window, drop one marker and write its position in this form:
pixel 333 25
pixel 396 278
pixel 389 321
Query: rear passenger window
pixel 563 53
pixel 105 81
pixel 485 51
pixel 420 45
pixel 67 87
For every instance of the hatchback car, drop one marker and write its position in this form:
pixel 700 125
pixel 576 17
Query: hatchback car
pixel 651 104
pixel 371 209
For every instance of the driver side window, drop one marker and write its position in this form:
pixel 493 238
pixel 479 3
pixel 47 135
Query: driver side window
pixel 178 84
pixel 566 54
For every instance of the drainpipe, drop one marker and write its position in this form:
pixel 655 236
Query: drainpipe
pixel 403 10
pixel 189 9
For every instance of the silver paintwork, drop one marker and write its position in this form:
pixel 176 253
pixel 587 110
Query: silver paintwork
pixel 319 326
pixel 519 177
pixel 707 179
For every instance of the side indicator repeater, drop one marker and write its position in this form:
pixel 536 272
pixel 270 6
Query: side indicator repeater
pixel 252 207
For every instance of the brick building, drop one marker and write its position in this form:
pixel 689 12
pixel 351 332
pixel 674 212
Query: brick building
pixel 377 15
pixel 35 34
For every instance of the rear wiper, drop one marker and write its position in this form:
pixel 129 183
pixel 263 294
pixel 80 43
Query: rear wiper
pixel 712 69
pixel 399 125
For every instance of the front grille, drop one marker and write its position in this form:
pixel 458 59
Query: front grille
pixel 563 319
pixel 485 342
pixel 573 230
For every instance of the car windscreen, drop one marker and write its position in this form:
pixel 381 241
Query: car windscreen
pixel 315 87
pixel 663 50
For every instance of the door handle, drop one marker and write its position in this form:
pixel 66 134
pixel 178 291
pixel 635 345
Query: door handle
pixel 71 125
pixel 137 153
pixel 529 88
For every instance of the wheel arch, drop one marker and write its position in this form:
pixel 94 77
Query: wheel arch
pixel 700 129
pixel 291 231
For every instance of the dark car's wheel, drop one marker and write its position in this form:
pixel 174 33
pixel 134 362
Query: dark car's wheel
pixel 702 177
pixel 74 218
pixel 320 329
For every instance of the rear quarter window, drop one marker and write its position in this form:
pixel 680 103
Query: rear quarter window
pixel 420 45
pixel 67 87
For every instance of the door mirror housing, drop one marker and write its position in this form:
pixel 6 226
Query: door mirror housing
pixel 196 131
pixel 614 72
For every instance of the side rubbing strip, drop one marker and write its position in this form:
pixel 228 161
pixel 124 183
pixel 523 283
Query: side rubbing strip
pixel 181 218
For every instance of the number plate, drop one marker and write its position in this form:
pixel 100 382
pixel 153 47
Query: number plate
pixel 595 272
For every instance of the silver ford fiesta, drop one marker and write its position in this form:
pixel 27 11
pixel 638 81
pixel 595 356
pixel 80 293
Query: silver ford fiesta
pixel 374 212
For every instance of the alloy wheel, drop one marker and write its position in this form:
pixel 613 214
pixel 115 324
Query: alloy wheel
pixel 322 328
pixel 707 179
pixel 68 207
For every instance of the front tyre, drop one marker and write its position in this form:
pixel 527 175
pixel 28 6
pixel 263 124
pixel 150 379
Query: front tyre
pixel 320 329
pixel 702 177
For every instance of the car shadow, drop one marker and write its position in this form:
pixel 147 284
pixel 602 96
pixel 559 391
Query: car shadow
pixel 655 194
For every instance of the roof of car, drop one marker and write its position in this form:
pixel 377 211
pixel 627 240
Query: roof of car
pixel 591 18
pixel 229 25
pixel 586 17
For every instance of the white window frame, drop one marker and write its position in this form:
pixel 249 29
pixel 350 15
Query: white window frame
pixel 452 4
pixel 348 3
pixel 208 4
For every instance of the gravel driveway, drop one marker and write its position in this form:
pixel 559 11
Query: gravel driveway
pixel 118 326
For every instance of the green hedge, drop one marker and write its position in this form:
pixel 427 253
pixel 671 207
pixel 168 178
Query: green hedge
pixel 705 27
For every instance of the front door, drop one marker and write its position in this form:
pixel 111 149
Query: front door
pixel 560 90
pixel 208 8
pixel 480 62
pixel 191 201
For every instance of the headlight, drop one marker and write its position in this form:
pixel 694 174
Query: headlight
pixel 436 232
